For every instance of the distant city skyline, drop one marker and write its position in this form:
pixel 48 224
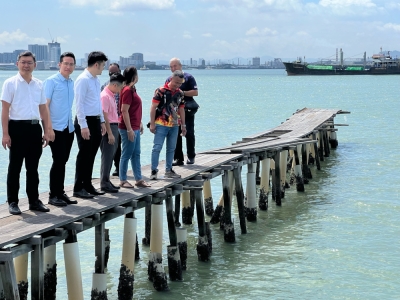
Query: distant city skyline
pixel 211 29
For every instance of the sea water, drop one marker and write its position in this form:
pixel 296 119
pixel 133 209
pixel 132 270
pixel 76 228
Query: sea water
pixel 337 240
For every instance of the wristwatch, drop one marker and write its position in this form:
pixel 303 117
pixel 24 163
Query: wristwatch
pixel 183 125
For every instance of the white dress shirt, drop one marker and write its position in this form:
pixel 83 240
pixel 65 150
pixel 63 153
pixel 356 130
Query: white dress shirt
pixel 87 98
pixel 24 97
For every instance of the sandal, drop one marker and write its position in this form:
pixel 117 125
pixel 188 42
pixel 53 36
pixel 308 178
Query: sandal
pixel 142 183
pixel 126 184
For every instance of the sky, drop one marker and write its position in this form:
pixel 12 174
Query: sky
pixel 209 29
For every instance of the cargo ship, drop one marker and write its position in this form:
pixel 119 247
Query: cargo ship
pixel 379 64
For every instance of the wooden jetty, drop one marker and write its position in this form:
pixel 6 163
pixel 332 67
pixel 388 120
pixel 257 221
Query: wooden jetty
pixel 305 138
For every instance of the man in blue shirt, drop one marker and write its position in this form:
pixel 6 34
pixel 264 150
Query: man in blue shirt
pixel 189 89
pixel 59 92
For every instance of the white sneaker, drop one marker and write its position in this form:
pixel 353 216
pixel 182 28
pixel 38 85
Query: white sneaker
pixel 153 175
pixel 171 174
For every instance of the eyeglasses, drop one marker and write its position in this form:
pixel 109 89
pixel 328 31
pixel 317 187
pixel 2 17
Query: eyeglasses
pixel 68 64
pixel 178 75
pixel 29 63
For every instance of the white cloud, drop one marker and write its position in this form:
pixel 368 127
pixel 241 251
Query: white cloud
pixel 118 7
pixel 207 34
pixel 186 35
pixel 391 26
pixel 282 5
pixel 346 3
pixel 258 32
pixel 17 37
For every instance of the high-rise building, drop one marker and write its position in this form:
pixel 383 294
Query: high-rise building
pixel 136 59
pixel 256 61
pixel 54 51
pixel 40 51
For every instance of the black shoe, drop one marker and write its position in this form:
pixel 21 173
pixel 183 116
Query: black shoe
pixel 115 187
pixel 83 194
pixel 109 189
pixel 39 206
pixel 115 173
pixel 57 201
pixel 95 192
pixel 190 161
pixel 67 200
pixel 177 162
pixel 14 209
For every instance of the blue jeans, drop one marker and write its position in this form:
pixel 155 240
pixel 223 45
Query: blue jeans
pixel 130 151
pixel 162 132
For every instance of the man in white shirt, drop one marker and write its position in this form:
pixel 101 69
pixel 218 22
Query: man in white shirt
pixel 89 124
pixel 23 104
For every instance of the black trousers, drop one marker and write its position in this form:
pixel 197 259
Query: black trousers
pixel 26 144
pixel 87 153
pixel 60 149
pixel 190 139
pixel 117 155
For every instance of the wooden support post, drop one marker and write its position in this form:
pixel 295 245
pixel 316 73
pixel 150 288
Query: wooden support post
pixel 203 251
pixel 126 273
pixel 258 178
pixel 8 276
pixel 192 204
pixel 315 147
pixel 147 225
pixel 107 243
pixel 273 177
pixel 170 218
pixel 240 198
pixel 264 184
pixel 326 143
pixel 186 208
pixel 99 278
pixel 216 217
pixel 50 272
pixel 283 170
pixel 209 236
pixel 297 171
pixel 174 261
pixel 37 274
pixel 21 271
pixel 278 194
pixel 320 145
pixel 73 267
pixel 177 210
pixel 304 160
pixel 181 235
pixel 99 245
pixel 208 199
pixel 229 230
pixel 155 269
pixel 251 193
pixel 333 139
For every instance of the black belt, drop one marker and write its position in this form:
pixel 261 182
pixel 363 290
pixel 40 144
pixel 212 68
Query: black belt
pixel 26 121
pixel 93 117
pixel 114 123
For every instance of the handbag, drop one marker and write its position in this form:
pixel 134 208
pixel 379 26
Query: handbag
pixel 191 106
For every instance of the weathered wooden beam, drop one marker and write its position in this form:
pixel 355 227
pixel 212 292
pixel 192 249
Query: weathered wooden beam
pixel 170 218
pixel 78 226
pixel 240 199
pixel 37 273
pixel 99 247
pixel 7 273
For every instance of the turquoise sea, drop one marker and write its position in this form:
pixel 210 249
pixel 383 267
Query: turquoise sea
pixel 340 239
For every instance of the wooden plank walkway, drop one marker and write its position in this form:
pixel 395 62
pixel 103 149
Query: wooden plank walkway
pixel 20 234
